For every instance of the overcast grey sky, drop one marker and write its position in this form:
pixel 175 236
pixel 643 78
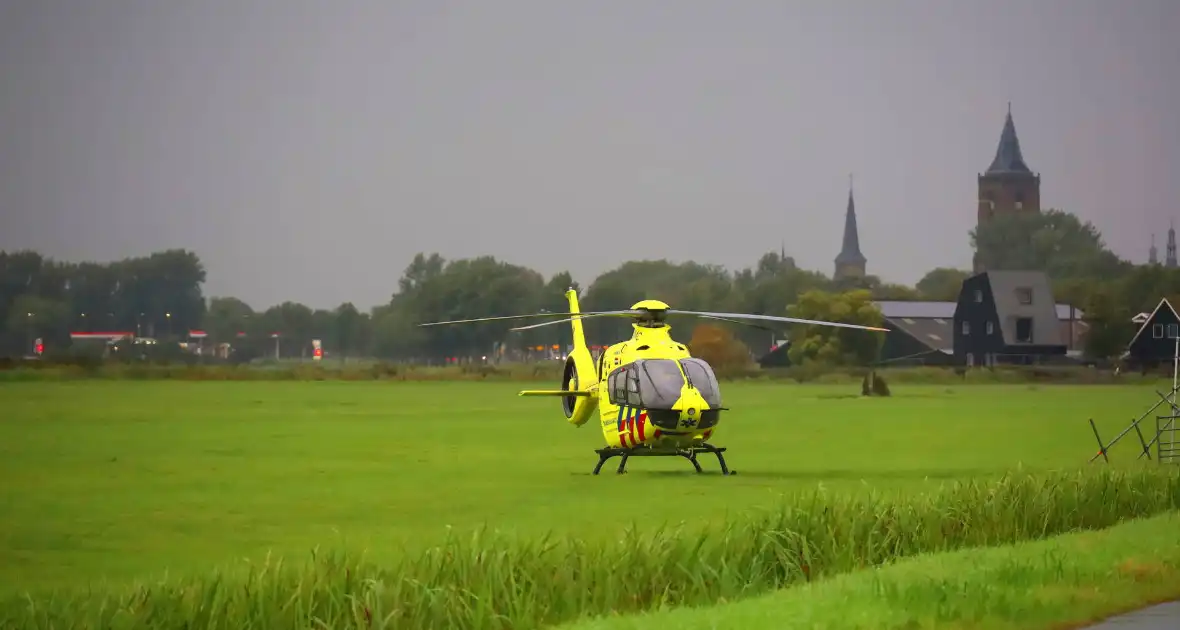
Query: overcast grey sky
pixel 306 150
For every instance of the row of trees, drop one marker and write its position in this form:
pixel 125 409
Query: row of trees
pixel 161 296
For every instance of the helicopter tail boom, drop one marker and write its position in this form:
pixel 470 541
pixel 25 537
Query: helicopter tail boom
pixel 579 335
pixel 585 393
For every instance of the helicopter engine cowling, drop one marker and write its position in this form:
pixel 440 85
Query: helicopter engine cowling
pixel 578 373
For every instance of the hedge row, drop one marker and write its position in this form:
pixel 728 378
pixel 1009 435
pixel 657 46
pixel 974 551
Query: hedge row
pixel 545 372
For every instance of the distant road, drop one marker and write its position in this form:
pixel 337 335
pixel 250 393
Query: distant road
pixel 1159 617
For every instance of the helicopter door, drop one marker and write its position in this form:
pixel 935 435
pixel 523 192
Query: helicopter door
pixel 701 375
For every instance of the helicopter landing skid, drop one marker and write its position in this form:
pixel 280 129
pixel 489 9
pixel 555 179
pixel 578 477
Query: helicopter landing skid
pixel 690 453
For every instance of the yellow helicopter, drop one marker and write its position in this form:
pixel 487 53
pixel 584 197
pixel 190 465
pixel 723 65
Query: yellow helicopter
pixel 652 396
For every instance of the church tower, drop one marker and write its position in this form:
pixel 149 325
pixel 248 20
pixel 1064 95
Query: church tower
pixel 850 263
pixel 1009 185
pixel 1170 254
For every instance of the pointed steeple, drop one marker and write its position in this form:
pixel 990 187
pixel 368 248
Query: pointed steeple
pixel 1170 255
pixel 850 258
pixel 1008 156
pixel 1153 254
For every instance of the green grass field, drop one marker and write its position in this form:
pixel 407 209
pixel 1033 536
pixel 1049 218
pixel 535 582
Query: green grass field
pixel 127 480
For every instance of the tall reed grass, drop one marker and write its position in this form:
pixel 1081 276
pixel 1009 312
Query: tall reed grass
pixel 493 580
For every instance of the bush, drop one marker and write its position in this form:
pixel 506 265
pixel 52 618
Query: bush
pixel 874 385
pixel 721 349
pixel 545 371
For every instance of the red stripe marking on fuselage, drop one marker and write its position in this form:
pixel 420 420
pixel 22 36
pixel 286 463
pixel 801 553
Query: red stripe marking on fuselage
pixel 642 421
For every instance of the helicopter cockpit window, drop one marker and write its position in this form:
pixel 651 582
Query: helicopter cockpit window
pixel 704 379
pixel 661 383
pixel 634 394
pixel 646 383
pixel 617 384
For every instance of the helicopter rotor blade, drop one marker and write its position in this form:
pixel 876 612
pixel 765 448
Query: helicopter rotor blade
pixel 732 321
pixel 570 319
pixel 774 318
pixel 525 315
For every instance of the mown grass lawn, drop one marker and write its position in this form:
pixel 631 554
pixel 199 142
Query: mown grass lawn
pixel 129 479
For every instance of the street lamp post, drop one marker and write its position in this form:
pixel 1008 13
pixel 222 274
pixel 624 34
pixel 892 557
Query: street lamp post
pixel 546 351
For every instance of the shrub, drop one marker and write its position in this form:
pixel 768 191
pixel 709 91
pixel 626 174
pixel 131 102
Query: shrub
pixel 874 385
pixel 550 372
pixel 720 348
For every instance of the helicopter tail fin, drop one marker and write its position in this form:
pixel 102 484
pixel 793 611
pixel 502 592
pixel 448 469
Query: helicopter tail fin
pixel 579 335
pixel 579 376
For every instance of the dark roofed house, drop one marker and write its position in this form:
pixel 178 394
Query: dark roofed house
pixel 1155 340
pixel 777 355
pixel 920 333
pixel 923 332
pixel 1008 317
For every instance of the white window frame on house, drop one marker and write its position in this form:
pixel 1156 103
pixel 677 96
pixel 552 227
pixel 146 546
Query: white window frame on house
pixel 1172 330
pixel 990 328
pixel 1022 293
pixel 979 295
pixel 966 327
pixel 1157 331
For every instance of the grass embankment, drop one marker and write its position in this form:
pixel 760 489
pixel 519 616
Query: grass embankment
pixel 1068 581
pixel 496 581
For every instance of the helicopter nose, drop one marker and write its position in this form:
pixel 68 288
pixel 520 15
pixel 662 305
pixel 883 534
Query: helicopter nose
pixel 690 408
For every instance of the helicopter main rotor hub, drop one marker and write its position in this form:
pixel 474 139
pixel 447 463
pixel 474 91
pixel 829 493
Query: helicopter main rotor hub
pixel 653 313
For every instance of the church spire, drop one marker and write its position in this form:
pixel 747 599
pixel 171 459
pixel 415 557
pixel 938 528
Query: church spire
pixel 850 261
pixel 1008 156
pixel 1170 255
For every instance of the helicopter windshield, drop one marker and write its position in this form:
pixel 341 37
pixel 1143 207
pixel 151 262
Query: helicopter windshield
pixel 703 378
pixel 646 383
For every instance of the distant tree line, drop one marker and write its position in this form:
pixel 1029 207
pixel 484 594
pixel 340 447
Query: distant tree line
pixel 160 296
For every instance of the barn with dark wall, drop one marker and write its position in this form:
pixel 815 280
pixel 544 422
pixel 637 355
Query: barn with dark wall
pixel 1155 341
pixel 919 332
pixel 1008 317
